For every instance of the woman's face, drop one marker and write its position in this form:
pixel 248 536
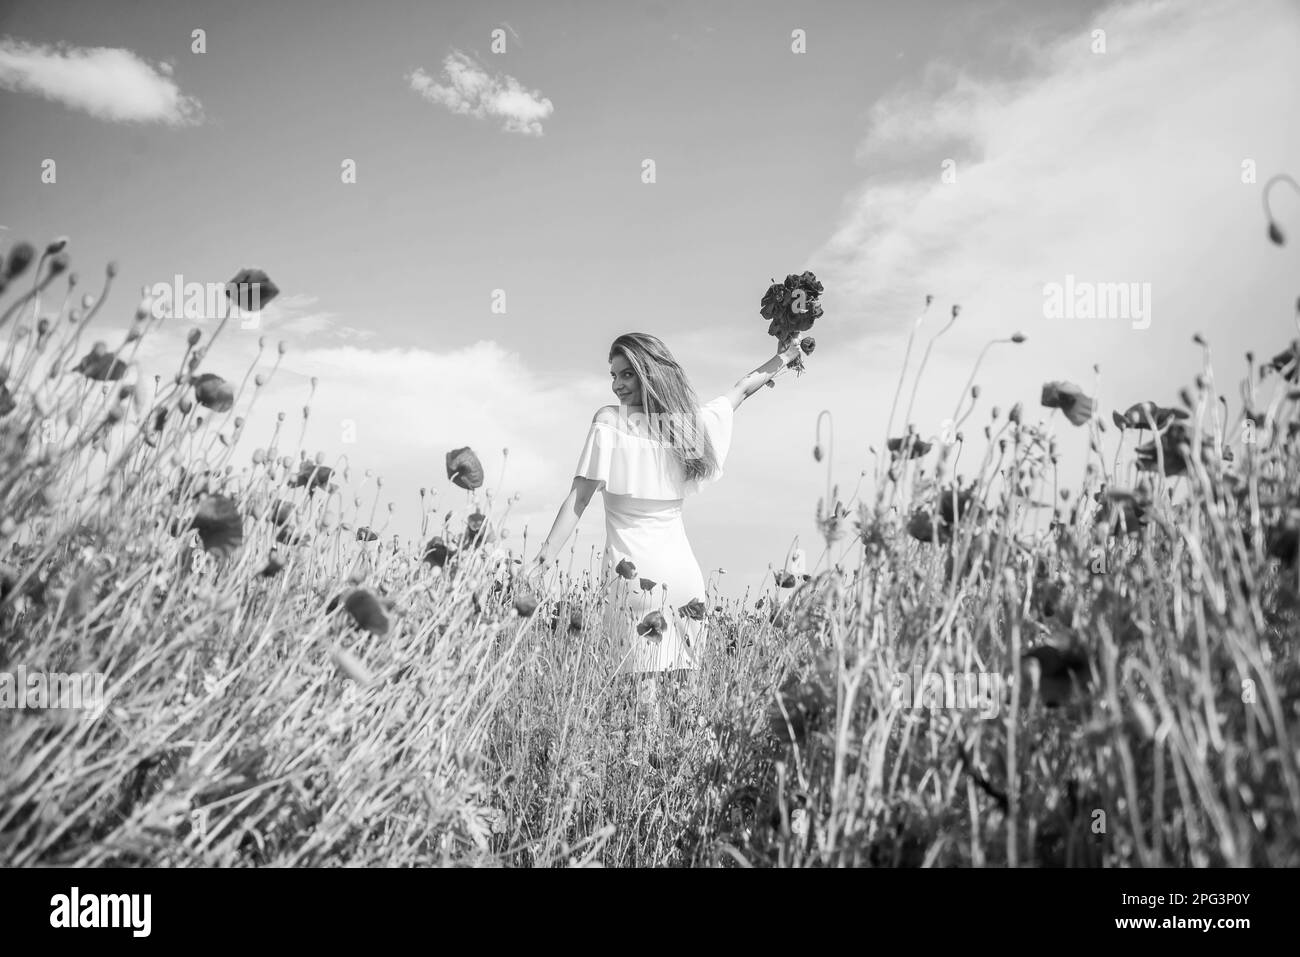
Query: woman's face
pixel 624 381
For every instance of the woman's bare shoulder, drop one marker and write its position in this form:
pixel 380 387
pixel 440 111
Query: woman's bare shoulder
pixel 606 415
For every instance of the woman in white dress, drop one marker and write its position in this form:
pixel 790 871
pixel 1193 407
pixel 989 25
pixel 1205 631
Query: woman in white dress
pixel 647 454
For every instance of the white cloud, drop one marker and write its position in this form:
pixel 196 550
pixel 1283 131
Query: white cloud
pixel 468 89
pixel 109 83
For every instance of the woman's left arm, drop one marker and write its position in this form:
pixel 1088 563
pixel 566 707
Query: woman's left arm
pixel 761 376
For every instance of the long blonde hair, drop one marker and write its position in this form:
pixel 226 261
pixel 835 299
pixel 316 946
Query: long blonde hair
pixel 665 389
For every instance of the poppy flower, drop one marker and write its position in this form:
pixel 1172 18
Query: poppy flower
pixel 1286 362
pixel 917 447
pixel 99 366
pixel 368 611
pixel 647 584
pixel 525 605
pixel 7 403
pixel 477 531
pixel 288 535
pixel 1063 669
pixel 220 527
pixel 920 527
pixel 784 579
pixel 214 392
pixel 694 609
pixel 364 534
pixel 1171 442
pixel 437 552
pixel 464 468
pixel 652 626
pixel 273 566
pixel 802 703
pixel 626 569
pixel 1069 398
pixel 955 506
pixel 280 513
pixel 251 290
pixel 1283 543
pixel 311 476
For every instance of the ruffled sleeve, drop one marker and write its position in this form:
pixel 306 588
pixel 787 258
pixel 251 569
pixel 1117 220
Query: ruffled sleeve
pixel 641 466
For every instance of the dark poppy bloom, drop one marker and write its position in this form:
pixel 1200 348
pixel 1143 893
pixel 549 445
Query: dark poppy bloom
pixel 802 704
pixel 784 579
pixel 273 566
pixel 916 446
pixel 1062 670
pixel 288 535
pixel 626 569
pixel 1286 362
pixel 694 609
pixel 920 527
pixel 311 476
pixel 954 503
pixel 213 392
pixel 281 512
pixel 437 552
pixel 525 605
pixel 220 527
pixel 647 584
pixel 368 611
pixel 1283 543
pixel 464 468
pixel 7 403
pixel 251 290
pixel 364 534
pixel 1069 398
pixel 1172 441
pixel 477 531
pixel 652 626
pixel 100 366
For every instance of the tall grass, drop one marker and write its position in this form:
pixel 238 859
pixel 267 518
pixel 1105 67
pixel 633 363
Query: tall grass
pixel 285 690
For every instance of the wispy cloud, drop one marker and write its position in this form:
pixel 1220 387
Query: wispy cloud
pixel 112 84
pixel 468 89
pixel 1089 162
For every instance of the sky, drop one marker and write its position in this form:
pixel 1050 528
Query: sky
pixel 976 152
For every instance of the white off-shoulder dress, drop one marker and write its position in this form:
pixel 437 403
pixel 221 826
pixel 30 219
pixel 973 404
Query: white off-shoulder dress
pixel 643 488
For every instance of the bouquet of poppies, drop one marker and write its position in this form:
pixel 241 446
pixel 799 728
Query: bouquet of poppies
pixel 791 307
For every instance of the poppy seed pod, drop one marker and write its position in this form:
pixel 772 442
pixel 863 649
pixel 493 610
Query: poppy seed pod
pixel 193 337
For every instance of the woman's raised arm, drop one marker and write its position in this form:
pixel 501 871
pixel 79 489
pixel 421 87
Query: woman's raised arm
pixel 761 376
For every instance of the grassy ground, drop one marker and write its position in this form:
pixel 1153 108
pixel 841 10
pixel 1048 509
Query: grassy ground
pixel 283 692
